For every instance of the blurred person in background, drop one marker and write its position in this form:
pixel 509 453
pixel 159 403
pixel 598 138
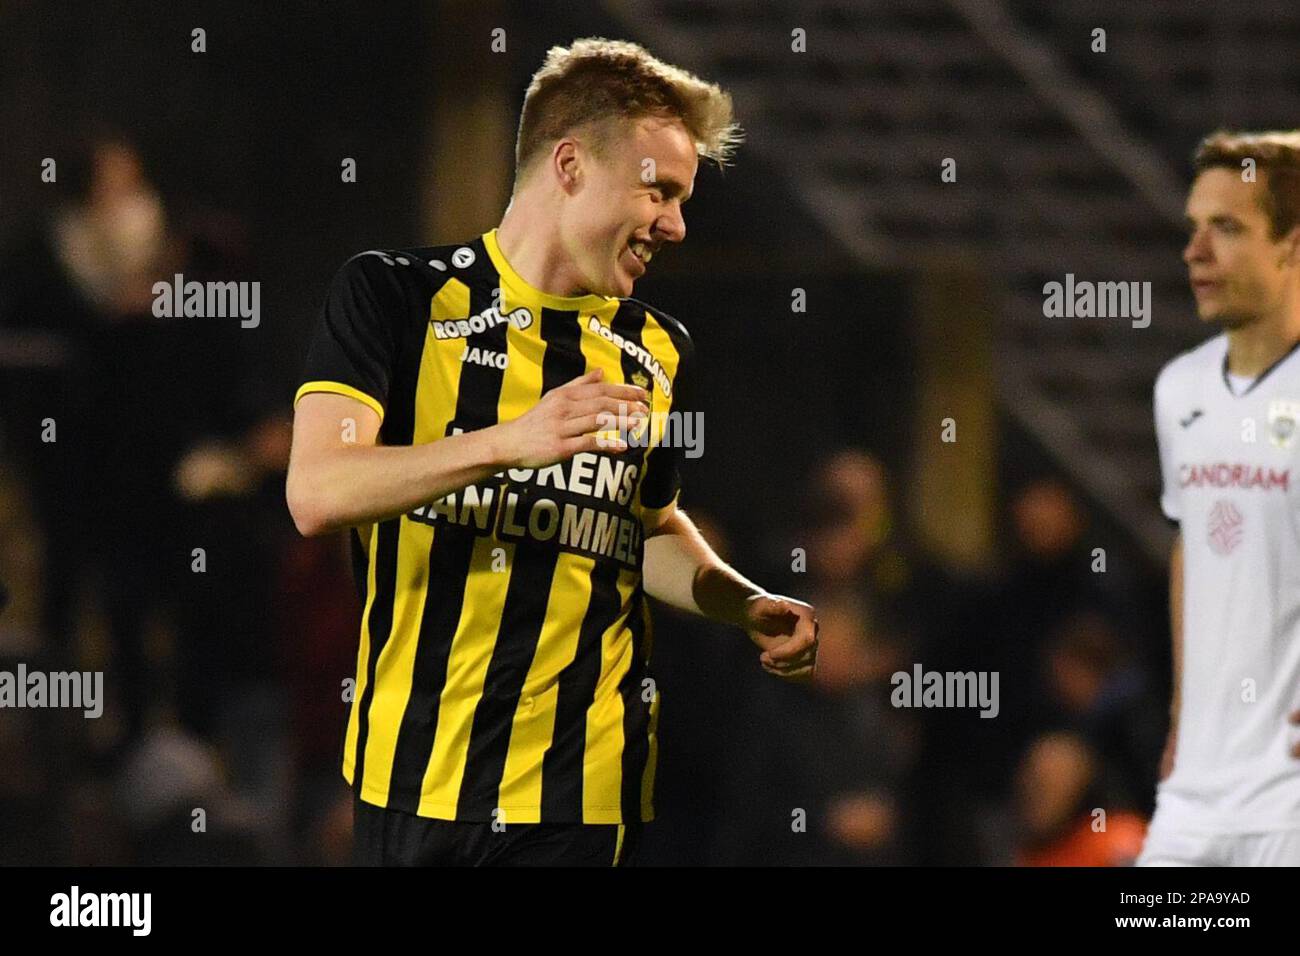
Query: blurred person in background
pixel 823 767
pixel 146 438
pixel 148 412
pixel 1064 818
pixel 999 623
pixel 86 266
pixel 1093 684
pixel 1050 574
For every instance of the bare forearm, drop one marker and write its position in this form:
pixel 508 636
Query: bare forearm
pixel 721 591
pixel 336 483
pixel 359 484
pixel 681 570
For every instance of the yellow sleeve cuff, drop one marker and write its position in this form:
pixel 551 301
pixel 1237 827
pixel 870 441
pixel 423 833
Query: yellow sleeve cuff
pixel 338 388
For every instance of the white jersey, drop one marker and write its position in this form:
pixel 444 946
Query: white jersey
pixel 1230 466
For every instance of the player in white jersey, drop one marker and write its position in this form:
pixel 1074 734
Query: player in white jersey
pixel 1226 421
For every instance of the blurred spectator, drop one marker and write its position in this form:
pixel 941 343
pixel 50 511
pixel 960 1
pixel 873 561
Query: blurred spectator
pixel 157 465
pixel 963 791
pixel 1064 820
pixel 160 432
pixel 178 809
pixel 1093 686
pixel 820 778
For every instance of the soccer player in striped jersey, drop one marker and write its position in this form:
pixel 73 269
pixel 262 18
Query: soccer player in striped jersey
pixel 1226 414
pixel 456 414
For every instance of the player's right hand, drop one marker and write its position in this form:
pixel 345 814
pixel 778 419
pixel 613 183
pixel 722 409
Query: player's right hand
pixel 567 419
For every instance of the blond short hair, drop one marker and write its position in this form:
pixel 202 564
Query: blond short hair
pixel 597 84
pixel 1276 152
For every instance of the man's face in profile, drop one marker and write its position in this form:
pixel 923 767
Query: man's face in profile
pixel 629 203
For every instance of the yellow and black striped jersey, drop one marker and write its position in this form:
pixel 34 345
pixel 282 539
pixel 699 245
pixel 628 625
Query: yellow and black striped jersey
pixel 503 668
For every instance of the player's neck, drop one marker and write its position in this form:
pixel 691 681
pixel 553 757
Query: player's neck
pixel 535 254
pixel 1254 348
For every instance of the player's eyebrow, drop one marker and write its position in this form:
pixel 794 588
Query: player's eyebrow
pixel 671 188
pixel 1222 219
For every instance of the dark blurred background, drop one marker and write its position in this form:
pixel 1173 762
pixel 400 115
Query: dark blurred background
pixel 846 302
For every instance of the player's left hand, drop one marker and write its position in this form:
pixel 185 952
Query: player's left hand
pixel 786 630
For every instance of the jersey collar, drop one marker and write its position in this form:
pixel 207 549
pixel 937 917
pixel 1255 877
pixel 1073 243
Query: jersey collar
pixel 1259 378
pixel 528 293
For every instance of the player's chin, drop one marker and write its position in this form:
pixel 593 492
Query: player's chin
pixel 624 280
pixel 1224 321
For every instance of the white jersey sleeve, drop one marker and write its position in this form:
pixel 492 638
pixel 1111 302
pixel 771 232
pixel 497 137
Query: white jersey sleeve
pixel 1166 414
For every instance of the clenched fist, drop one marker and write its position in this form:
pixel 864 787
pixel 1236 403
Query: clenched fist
pixel 786 630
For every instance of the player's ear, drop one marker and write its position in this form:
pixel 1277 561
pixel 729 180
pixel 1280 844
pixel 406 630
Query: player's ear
pixel 1292 247
pixel 565 163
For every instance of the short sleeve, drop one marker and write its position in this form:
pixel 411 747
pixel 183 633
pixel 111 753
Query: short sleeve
pixel 663 477
pixel 1165 413
pixel 352 351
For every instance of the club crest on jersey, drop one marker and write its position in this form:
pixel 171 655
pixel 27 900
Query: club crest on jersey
pixel 641 380
pixel 635 349
pixel 1282 415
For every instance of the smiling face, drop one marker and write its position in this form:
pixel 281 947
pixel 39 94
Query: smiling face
pixel 623 206
pixel 1237 270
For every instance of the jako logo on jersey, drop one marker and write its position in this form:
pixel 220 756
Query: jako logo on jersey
pixel 477 356
pixel 489 318
pixel 636 350
pixel 463 257
pixel 1224 527
pixel 1282 415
